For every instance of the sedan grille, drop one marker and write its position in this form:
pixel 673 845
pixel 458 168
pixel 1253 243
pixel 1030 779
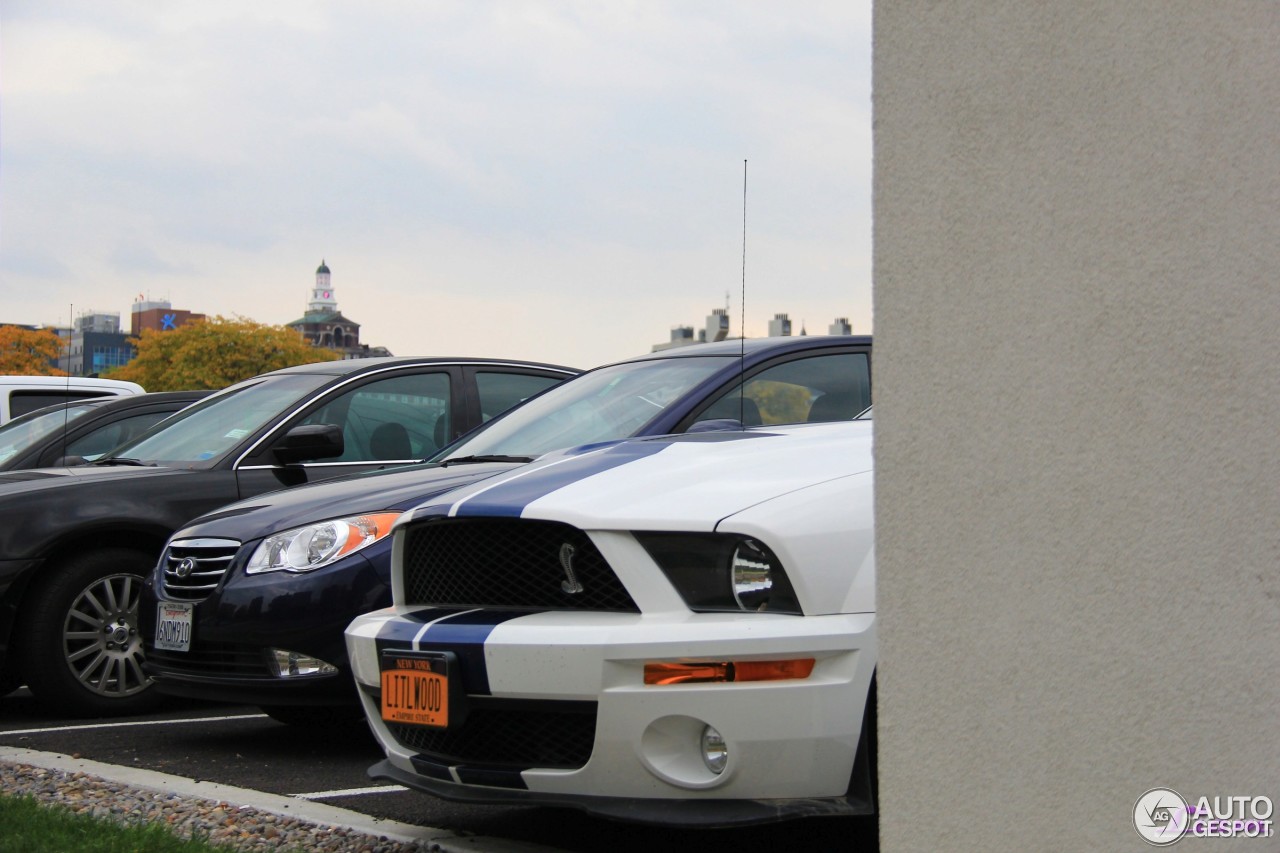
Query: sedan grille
pixel 506 562
pixel 192 568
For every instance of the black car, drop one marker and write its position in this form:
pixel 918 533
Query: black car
pixel 84 430
pixel 249 603
pixel 77 542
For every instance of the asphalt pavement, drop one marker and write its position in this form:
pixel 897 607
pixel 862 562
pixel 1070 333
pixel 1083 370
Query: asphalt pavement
pixel 239 748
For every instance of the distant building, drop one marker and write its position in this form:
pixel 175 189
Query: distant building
pixel 95 345
pixel 717 326
pixel 158 315
pixel 681 336
pixel 325 326
pixel 717 329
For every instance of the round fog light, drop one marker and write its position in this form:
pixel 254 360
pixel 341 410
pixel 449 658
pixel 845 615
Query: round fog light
pixel 715 753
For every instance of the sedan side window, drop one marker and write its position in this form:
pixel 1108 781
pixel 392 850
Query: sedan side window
pixel 91 446
pixel 389 420
pixel 501 391
pixel 833 387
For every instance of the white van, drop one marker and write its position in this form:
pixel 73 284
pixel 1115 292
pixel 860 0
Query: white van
pixel 22 394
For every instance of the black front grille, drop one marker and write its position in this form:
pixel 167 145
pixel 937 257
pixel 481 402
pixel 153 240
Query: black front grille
pixel 192 568
pixel 229 659
pixel 510 734
pixel 508 562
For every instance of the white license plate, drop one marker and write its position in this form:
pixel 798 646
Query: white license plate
pixel 173 625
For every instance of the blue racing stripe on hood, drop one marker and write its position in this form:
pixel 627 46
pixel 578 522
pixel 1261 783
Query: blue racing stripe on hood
pixel 509 497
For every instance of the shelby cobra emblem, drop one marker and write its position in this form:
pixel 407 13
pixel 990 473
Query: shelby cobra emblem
pixel 570 585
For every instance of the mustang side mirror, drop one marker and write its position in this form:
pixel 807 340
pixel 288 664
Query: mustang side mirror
pixel 717 425
pixel 312 441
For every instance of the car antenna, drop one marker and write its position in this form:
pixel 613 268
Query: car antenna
pixel 66 411
pixel 742 309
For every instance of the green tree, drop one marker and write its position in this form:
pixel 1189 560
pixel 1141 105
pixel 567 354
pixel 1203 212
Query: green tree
pixel 27 352
pixel 213 353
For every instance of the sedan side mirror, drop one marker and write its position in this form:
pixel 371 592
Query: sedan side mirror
pixel 312 441
pixel 69 461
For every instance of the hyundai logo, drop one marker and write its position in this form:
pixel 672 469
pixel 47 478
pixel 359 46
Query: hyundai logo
pixel 185 568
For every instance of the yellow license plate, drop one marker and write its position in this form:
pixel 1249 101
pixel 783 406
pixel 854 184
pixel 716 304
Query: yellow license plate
pixel 412 693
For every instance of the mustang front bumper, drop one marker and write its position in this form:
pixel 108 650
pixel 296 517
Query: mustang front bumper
pixel 555 710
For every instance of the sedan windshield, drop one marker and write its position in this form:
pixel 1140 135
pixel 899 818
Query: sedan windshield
pixel 604 405
pixel 205 431
pixel 21 433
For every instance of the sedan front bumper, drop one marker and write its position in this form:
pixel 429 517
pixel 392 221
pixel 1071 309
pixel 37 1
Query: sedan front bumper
pixel 234 629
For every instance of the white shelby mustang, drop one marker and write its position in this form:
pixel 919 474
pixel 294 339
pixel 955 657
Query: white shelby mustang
pixel 677 630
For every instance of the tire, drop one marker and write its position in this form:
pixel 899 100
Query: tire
pixel 9 682
pixel 864 782
pixel 314 716
pixel 80 648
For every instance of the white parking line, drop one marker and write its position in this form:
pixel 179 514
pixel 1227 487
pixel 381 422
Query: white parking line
pixel 121 725
pixel 351 792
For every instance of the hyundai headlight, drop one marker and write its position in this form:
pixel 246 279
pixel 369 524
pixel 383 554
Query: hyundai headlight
pixel 719 572
pixel 314 546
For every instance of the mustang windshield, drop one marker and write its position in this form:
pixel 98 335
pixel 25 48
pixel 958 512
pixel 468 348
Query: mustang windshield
pixel 211 427
pixel 604 405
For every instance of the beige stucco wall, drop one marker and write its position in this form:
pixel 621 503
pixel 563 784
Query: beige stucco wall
pixel 1077 319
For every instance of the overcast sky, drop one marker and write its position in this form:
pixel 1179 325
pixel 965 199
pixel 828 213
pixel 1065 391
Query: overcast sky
pixel 555 181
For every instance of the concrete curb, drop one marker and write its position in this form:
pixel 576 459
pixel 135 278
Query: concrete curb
pixel 443 840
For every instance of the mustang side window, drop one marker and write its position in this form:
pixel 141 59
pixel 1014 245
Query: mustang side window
pixel 832 387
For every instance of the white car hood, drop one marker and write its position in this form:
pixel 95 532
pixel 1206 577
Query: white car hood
pixel 685 482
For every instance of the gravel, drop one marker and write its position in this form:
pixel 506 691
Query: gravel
pixel 235 827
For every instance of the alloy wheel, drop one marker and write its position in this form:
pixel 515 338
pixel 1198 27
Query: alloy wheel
pixel 100 637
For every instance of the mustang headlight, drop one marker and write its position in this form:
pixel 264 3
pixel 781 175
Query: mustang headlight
pixel 316 545
pixel 719 571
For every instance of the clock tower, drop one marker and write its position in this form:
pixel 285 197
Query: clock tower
pixel 322 298
pixel 324 326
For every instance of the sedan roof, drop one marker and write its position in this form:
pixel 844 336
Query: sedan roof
pixel 343 367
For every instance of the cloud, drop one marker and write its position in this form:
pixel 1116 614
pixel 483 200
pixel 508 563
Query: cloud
pixel 579 164
pixel 31 265
pixel 136 257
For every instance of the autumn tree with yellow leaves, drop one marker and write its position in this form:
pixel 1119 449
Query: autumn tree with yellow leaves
pixel 29 352
pixel 213 353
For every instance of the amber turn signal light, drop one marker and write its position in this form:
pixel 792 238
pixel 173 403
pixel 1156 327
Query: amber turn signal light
pixel 726 671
